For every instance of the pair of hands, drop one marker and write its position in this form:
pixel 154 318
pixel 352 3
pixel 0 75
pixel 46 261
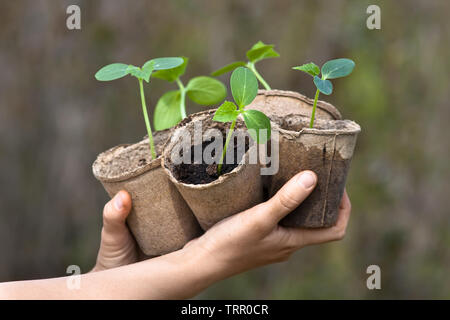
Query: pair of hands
pixel 241 242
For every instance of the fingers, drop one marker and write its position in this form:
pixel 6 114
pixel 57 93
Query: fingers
pixel 302 237
pixel 286 199
pixel 116 212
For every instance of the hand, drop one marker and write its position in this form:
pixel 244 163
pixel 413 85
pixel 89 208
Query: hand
pixel 117 246
pixel 253 238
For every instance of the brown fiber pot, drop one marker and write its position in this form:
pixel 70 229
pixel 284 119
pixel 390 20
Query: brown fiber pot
pixel 326 149
pixel 231 193
pixel 160 220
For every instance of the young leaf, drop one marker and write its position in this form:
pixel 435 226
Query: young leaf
pixel 136 72
pixel 256 120
pixel 227 112
pixel 324 86
pixel 166 63
pixel 205 90
pixel 147 70
pixel 337 68
pixel 261 51
pixel 167 112
pixel 244 86
pixel 172 74
pixel 112 72
pixel 310 68
pixel 228 68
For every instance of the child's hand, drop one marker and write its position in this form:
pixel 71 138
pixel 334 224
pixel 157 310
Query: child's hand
pixel 117 247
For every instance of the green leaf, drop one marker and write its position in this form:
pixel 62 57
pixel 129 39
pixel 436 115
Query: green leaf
pixel 112 72
pixel 228 68
pixel 244 86
pixel 136 71
pixel 310 68
pixel 324 86
pixel 337 68
pixel 257 120
pixel 261 51
pixel 227 112
pixel 166 63
pixel 206 90
pixel 147 70
pixel 172 74
pixel 167 112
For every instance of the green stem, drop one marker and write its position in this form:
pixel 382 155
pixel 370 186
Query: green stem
pixel 183 98
pixel 147 122
pixel 251 66
pixel 311 123
pixel 224 151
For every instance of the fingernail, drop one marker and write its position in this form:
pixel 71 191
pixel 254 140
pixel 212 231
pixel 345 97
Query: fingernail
pixel 118 203
pixel 307 179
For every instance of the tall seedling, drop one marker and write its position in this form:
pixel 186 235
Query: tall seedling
pixel 258 52
pixel 171 107
pixel 118 70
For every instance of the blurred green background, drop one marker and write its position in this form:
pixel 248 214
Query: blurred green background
pixel 55 118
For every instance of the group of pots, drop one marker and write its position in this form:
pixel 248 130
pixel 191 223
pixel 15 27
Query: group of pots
pixel 172 204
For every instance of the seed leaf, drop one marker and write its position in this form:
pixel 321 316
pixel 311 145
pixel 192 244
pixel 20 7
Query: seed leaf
pixel 206 90
pixel 167 112
pixel 172 74
pixel 227 112
pixel 166 63
pixel 255 121
pixel 228 68
pixel 261 51
pixel 244 86
pixel 112 72
pixel 337 68
pixel 310 68
pixel 324 86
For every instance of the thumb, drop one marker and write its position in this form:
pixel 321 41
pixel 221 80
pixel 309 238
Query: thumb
pixel 116 211
pixel 289 196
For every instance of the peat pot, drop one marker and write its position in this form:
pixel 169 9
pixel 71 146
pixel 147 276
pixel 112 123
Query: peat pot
pixel 160 219
pixel 326 149
pixel 211 197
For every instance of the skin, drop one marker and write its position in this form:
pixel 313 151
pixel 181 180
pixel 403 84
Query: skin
pixel 239 243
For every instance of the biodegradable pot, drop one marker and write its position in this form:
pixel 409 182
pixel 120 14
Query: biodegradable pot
pixel 160 219
pixel 231 192
pixel 277 104
pixel 326 149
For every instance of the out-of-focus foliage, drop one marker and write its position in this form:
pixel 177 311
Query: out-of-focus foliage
pixel 55 118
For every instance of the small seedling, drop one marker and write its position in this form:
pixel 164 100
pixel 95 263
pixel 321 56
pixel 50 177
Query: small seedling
pixel 332 69
pixel 244 88
pixel 118 70
pixel 171 107
pixel 258 52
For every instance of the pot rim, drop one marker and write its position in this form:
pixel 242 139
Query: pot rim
pixel 325 106
pixel 123 177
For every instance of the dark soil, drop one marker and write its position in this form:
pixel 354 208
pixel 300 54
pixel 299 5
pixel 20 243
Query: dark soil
pixel 204 173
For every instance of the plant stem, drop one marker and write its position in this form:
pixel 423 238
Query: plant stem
pixel 147 122
pixel 311 123
pixel 251 66
pixel 183 98
pixel 224 151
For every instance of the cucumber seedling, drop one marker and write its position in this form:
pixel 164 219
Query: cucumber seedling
pixel 244 88
pixel 171 107
pixel 258 52
pixel 118 70
pixel 332 69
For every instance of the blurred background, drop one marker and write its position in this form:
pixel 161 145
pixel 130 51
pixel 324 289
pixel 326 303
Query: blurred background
pixel 55 118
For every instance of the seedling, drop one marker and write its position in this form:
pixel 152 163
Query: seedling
pixel 171 107
pixel 118 70
pixel 332 69
pixel 244 88
pixel 258 52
